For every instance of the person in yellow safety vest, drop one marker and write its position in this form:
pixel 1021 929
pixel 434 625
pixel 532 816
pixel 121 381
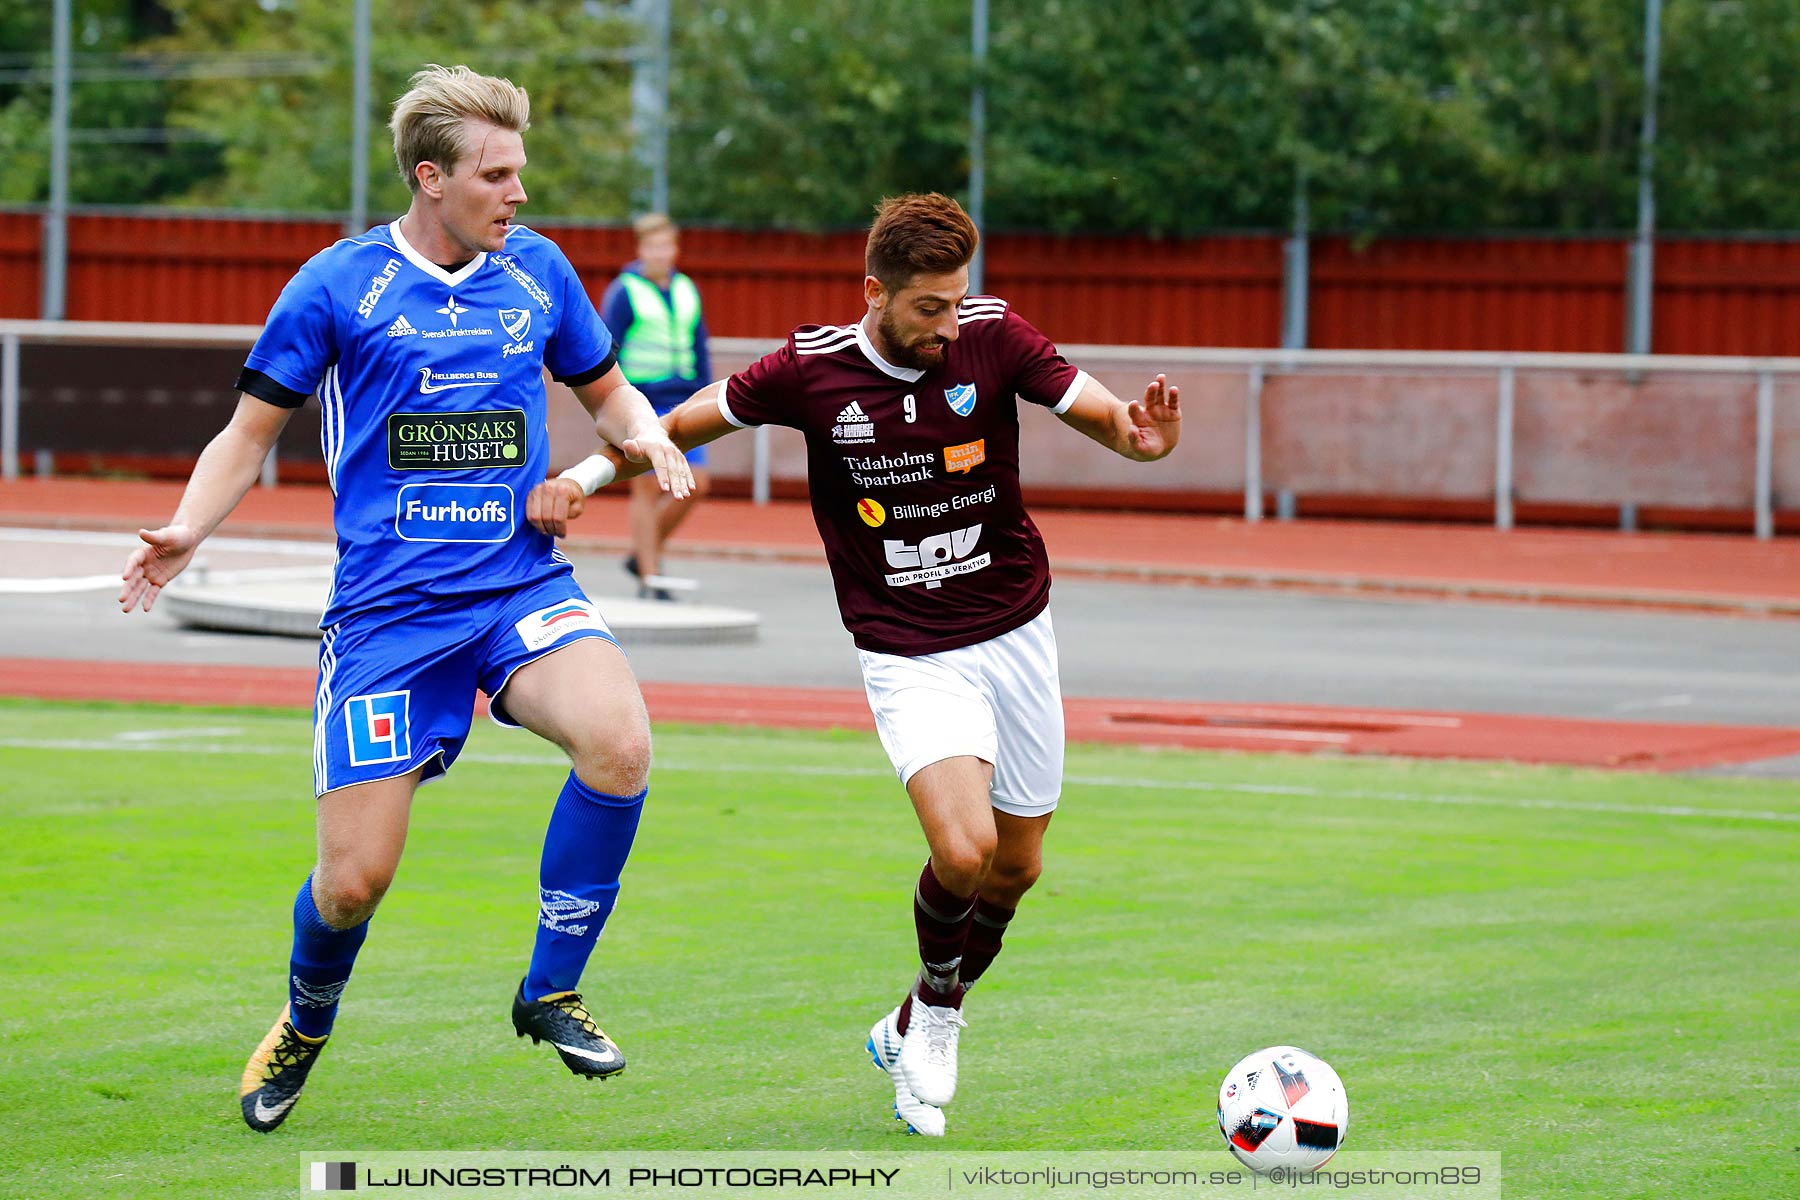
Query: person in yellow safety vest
pixel 654 314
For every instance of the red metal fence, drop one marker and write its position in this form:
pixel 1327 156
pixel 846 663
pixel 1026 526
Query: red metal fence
pixel 1713 296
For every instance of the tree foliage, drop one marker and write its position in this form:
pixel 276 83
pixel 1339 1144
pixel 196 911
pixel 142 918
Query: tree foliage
pixel 1731 96
pixel 120 152
pixel 804 112
pixel 1172 117
pixel 1187 115
pixel 288 136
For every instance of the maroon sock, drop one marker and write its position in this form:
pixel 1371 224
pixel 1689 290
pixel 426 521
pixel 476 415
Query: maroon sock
pixel 904 1017
pixel 985 933
pixel 942 919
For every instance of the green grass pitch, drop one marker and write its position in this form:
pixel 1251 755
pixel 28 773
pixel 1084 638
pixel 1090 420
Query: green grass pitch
pixel 1597 975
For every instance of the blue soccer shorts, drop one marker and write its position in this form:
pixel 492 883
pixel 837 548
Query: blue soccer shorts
pixel 397 687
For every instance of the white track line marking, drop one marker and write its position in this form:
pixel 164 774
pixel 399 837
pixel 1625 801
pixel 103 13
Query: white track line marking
pixel 57 585
pixel 191 580
pixel 126 541
pixel 66 584
pixel 1681 701
pixel 1525 803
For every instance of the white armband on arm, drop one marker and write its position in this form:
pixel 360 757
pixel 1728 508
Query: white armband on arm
pixel 591 473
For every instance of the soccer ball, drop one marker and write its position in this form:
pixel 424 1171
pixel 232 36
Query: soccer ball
pixel 1281 1107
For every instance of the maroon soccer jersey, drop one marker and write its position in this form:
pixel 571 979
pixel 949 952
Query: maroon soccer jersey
pixel 914 475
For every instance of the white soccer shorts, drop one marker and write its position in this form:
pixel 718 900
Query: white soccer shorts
pixel 998 700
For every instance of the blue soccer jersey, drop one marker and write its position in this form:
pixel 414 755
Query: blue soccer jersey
pixel 431 382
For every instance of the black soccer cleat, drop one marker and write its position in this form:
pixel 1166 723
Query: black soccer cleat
pixel 562 1020
pixel 275 1074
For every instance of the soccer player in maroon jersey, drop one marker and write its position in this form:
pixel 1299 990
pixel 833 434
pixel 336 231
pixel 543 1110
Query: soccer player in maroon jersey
pixel 912 439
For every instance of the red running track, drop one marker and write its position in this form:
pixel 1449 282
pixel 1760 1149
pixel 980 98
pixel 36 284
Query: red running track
pixel 1302 729
pixel 1731 575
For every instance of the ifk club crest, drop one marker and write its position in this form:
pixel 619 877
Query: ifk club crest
pixel 961 398
pixel 516 322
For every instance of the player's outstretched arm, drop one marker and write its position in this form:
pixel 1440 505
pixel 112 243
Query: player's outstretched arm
pixel 624 418
pixel 552 504
pixel 1143 430
pixel 226 469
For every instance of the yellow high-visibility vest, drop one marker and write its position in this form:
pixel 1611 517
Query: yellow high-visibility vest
pixel 659 344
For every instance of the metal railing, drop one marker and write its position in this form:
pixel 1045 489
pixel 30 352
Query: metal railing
pixel 16 334
pixel 1258 368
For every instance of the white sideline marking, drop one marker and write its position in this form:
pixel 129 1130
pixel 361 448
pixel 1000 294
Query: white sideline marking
pixel 1247 789
pixel 1680 701
pixel 58 584
pixel 126 541
pixel 1420 798
pixel 206 577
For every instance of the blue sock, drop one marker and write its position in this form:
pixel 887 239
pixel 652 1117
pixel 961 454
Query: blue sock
pixel 584 850
pixel 320 965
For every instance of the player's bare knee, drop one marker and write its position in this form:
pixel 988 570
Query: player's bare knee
pixel 1007 882
pixel 350 897
pixel 615 760
pixel 962 864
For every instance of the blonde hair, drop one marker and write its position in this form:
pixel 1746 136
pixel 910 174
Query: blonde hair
pixel 653 223
pixel 428 121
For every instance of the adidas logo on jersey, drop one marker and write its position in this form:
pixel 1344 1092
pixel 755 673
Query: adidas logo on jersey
pixel 854 426
pixel 401 327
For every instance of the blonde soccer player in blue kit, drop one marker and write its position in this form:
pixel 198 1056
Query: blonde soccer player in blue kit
pixel 426 340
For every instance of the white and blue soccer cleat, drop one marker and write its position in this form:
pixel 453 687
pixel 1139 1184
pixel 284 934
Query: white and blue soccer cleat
pixel 927 1058
pixel 884 1051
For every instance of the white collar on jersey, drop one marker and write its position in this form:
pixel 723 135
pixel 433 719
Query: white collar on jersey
pixel 430 268
pixel 886 367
